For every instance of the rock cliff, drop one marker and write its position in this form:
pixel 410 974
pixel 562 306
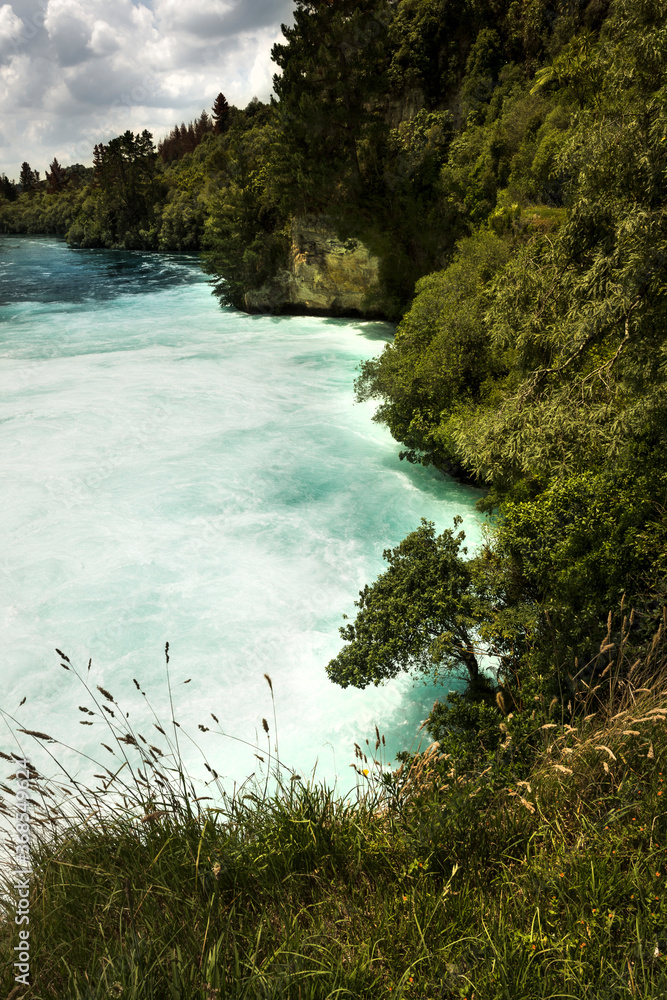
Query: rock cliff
pixel 324 275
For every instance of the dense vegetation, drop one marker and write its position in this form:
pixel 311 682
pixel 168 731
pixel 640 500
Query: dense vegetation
pixel 534 364
pixel 401 121
pixel 507 162
pixel 137 196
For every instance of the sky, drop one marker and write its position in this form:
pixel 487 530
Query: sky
pixel 77 72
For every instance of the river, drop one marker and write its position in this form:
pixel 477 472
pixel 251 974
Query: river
pixel 177 472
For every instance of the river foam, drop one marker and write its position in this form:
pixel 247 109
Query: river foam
pixel 178 472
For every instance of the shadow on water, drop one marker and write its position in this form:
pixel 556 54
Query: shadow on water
pixel 428 479
pixel 370 329
pixel 45 269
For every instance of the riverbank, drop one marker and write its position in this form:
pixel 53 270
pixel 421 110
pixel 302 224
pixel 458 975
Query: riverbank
pixel 435 882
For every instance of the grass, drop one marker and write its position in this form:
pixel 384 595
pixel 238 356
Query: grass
pixel 431 884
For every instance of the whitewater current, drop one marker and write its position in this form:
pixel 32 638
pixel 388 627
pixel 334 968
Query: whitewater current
pixel 174 471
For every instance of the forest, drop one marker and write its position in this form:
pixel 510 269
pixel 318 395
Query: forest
pixel 507 163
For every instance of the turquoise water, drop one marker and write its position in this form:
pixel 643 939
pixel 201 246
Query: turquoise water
pixel 177 472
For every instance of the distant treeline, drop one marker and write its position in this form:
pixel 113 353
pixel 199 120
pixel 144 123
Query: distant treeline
pixel 135 196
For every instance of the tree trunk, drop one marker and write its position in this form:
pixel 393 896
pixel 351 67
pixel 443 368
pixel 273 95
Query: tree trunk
pixel 468 657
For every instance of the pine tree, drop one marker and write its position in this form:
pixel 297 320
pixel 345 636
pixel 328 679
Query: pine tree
pixel 98 163
pixel 27 178
pixel 55 177
pixel 334 63
pixel 203 125
pixel 7 188
pixel 220 114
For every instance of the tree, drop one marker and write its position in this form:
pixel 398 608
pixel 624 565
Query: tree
pixel 220 114
pixel 203 125
pixel 184 138
pixel 55 177
pixel 333 70
pixel 28 177
pixel 424 611
pixel 245 235
pixel 440 356
pixel 126 191
pixel 98 155
pixel 581 548
pixel 7 188
pixel 547 382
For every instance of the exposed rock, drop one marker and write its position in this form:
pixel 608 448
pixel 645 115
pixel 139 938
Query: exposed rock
pixel 402 107
pixel 272 297
pixel 324 275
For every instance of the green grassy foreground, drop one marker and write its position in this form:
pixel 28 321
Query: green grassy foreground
pixel 430 883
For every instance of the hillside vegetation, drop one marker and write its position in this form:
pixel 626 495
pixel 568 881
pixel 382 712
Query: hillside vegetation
pixel 534 364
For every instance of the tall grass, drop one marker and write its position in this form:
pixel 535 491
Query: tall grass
pixel 431 883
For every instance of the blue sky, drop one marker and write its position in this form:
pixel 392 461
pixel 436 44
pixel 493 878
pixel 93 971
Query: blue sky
pixel 77 72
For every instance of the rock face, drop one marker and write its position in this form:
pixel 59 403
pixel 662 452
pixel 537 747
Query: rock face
pixel 403 107
pixel 324 275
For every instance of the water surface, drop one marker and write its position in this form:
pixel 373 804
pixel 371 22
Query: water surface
pixel 177 472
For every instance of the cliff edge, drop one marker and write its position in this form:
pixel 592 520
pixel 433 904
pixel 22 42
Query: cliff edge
pixel 324 275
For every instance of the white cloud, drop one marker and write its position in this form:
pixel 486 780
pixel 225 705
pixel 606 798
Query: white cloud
pixel 103 39
pixel 10 27
pixel 69 29
pixel 10 33
pixel 77 72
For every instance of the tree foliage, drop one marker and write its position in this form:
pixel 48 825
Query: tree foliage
pixel 535 362
pixel 245 234
pixel 28 178
pixel 120 210
pixel 441 355
pixel 137 197
pixel 551 359
pixel 420 613
pixel 185 138
pixel 220 114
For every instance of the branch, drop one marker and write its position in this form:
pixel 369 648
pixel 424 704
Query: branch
pixel 539 376
pixel 608 365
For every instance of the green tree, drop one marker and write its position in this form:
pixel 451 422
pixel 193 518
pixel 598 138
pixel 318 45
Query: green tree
pixel 537 362
pixel 8 188
pixel 441 356
pixel 429 41
pixel 421 613
pixel 28 178
pixel 220 114
pixel 245 233
pixel 585 545
pixel 122 209
pixel 333 70
pixel 56 177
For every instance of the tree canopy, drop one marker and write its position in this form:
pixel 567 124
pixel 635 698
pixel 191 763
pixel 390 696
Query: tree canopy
pixel 420 613
pixel 534 363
